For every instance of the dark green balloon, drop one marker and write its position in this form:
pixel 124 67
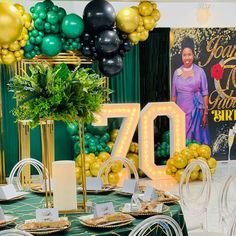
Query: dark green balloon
pixel 97 130
pixel 72 26
pixel 61 13
pixel 75 138
pixel 51 45
pixel 72 128
pixel 77 147
pixel 39 7
pixel 52 17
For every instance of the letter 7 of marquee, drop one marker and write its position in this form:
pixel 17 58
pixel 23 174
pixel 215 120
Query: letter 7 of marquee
pixel 130 112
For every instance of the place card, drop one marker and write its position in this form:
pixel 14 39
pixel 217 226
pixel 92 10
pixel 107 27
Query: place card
pixel 159 208
pixel 8 192
pixel 104 209
pixel 130 186
pixel 135 204
pixel 47 214
pixel 149 194
pixel 2 217
pixel 93 183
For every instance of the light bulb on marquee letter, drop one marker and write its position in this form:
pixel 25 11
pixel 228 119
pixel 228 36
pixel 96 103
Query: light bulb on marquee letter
pixel 146 135
pixel 130 112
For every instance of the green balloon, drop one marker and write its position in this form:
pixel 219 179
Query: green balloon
pixel 52 17
pixel 97 130
pixel 39 7
pixel 51 45
pixel 72 26
pixel 77 147
pixel 72 128
pixel 61 13
pixel 75 138
pixel 28 47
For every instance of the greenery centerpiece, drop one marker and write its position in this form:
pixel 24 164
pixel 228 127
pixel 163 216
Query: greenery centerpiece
pixel 56 93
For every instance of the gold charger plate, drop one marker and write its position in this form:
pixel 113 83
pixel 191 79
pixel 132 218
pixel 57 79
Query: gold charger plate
pixel 37 189
pixel 9 220
pixel 105 226
pixel 44 231
pixel 105 189
pixel 138 213
pixel 172 199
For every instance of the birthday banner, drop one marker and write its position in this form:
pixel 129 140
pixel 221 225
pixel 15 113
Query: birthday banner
pixel 215 64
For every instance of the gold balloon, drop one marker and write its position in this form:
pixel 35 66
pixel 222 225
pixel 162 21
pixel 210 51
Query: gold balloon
pixel 144 35
pixel 156 14
pixel 140 21
pixel 14 46
pixel 11 23
pixel 134 37
pixel 127 20
pixel 145 8
pixel 149 22
pixel 9 58
pixel 27 17
pixel 17 54
pixel 136 9
pixel 140 29
pixel 154 5
pixel 1 60
pixel 172 39
pixel 20 8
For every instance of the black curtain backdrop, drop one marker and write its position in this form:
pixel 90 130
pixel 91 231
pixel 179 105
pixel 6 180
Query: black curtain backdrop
pixel 154 74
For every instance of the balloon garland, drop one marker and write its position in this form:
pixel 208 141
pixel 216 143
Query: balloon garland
pixel 137 21
pixel 53 30
pixel 11 47
pixel 101 34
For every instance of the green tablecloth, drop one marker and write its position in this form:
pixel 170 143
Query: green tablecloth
pixel 25 209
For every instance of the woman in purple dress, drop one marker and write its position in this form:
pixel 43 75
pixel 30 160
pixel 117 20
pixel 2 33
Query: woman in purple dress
pixel 190 92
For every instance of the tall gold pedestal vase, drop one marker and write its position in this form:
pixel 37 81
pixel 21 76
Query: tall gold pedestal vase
pixel 24 150
pixel 82 206
pixel 48 156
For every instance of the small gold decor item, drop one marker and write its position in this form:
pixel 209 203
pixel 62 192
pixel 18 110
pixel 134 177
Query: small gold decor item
pixel 46 227
pixel 107 221
pixel 9 219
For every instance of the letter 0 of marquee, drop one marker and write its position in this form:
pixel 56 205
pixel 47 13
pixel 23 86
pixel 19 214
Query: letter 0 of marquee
pixel 146 135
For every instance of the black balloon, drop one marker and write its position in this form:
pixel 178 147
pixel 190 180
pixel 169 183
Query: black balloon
pixel 107 43
pixel 86 37
pixel 85 50
pixel 122 52
pixel 127 45
pixel 110 66
pixel 99 15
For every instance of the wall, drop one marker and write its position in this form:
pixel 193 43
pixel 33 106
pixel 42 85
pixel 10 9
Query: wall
pixel 173 14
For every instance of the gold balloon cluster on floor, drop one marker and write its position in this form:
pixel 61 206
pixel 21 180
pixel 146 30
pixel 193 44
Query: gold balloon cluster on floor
pixel 137 21
pixel 13 32
pixel 175 165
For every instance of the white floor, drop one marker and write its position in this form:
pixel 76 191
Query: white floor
pixel 223 170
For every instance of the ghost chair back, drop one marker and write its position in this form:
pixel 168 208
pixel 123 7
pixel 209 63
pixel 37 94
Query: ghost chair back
pixel 193 200
pixel 164 223
pixel 227 201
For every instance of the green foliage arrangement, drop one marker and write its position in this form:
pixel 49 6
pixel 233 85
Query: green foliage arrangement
pixel 57 93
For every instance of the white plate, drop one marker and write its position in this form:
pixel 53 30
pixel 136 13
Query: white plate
pixel 19 195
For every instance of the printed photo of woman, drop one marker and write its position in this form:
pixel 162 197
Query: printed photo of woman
pixel 190 92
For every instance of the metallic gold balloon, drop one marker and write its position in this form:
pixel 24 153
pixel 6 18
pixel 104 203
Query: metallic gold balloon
pixel 9 58
pixel 144 35
pixel 11 23
pixel 140 20
pixel 154 5
pixel 127 20
pixel 172 39
pixel 20 8
pixel 1 60
pixel 145 8
pixel 136 9
pixel 140 29
pixel 14 46
pixel 156 14
pixel 27 17
pixel 134 37
pixel 149 22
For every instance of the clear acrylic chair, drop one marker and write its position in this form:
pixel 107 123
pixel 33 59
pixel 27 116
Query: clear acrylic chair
pixel 227 202
pixel 165 223
pixel 14 232
pixel 192 200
